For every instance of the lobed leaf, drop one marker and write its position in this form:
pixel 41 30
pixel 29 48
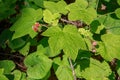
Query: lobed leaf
pixel 23 25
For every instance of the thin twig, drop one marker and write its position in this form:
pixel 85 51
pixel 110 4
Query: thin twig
pixel 72 67
pixel 75 23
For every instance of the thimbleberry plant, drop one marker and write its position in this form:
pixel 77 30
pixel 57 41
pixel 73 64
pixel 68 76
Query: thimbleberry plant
pixel 59 39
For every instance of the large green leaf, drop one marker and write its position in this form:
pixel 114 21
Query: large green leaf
pixel 109 48
pixel 67 39
pixel 7 65
pixel 82 15
pixel 58 7
pixel 79 11
pixel 38 65
pixel 95 71
pixel 23 25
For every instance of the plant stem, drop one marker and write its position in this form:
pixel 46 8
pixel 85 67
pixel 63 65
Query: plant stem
pixel 72 67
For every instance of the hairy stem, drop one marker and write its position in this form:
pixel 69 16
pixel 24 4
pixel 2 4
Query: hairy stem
pixel 72 67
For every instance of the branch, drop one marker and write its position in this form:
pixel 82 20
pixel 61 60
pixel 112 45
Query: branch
pixel 75 23
pixel 72 67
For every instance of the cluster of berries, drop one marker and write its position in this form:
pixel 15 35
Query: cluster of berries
pixel 36 27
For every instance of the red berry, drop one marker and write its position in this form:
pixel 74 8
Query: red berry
pixel 35 28
pixel 36 24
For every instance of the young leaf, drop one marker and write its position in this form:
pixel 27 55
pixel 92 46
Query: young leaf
pixel 51 18
pixel 23 25
pixel 38 65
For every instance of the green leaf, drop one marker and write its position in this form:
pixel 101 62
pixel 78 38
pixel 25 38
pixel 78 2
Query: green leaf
pixel 25 50
pixel 117 12
pixel 80 11
pixel 1 71
pixel 95 71
pixel 38 2
pixel 96 27
pixel 78 4
pixel 44 48
pixel 2 77
pixel 4 37
pixel 111 24
pixel 38 65
pixel 7 8
pixel 118 1
pixel 51 18
pixel 7 65
pixel 58 7
pixel 109 49
pixel 64 73
pixel 82 15
pixel 17 75
pixel 17 43
pixel 92 3
pixel 69 40
pixel 23 25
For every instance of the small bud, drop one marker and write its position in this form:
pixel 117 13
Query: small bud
pixel 94 43
pixel 94 51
